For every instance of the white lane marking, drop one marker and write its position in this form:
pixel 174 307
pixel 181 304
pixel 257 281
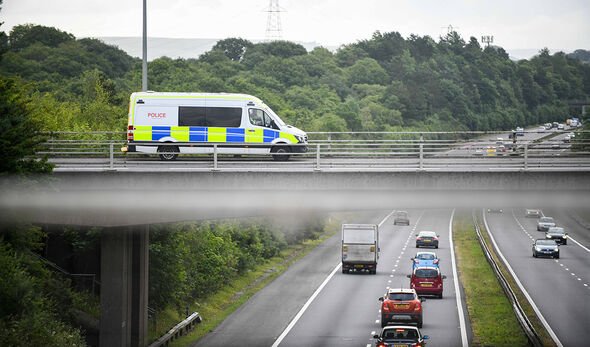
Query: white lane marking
pixel 304 308
pixel 569 237
pixel 579 244
pixel 460 309
pixel 517 280
pixel 313 296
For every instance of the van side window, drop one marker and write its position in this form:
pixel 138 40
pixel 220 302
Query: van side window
pixel 192 116
pixel 223 117
pixel 261 118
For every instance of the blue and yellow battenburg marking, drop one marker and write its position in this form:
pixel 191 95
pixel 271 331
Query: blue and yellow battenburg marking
pixel 209 134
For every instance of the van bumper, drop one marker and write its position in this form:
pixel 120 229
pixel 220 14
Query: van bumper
pixel 299 148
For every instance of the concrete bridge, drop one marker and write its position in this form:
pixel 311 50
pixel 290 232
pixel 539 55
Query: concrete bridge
pixel 126 203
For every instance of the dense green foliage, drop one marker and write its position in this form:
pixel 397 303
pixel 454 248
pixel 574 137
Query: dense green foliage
pixel 383 83
pixel 18 130
pixel 34 302
pixel 193 260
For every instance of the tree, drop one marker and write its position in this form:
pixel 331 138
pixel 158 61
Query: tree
pixel 233 48
pixel 22 36
pixel 19 137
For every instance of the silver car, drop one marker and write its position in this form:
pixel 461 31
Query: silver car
pixel 532 213
pixel 545 223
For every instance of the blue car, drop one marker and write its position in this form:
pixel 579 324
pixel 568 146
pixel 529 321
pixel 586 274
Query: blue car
pixel 425 259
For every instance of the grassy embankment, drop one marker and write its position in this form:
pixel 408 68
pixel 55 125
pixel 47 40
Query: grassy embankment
pixel 217 307
pixel 493 321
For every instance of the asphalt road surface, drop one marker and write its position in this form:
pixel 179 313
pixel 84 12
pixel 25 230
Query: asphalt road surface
pixel 560 288
pixel 345 310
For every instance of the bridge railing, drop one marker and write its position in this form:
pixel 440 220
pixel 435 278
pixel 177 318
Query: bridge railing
pixel 342 151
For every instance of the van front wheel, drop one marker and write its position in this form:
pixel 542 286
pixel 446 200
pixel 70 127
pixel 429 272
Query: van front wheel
pixel 280 153
pixel 168 153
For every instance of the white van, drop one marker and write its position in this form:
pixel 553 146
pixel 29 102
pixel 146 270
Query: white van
pixel 196 122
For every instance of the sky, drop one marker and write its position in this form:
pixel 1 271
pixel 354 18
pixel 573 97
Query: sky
pixel 515 24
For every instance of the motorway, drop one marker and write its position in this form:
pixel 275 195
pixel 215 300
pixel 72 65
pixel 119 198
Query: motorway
pixel 314 304
pixel 560 288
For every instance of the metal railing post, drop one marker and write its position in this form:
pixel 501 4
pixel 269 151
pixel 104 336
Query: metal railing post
pixel 111 155
pixel 421 152
pixel 215 157
pixel 526 156
pixel 317 157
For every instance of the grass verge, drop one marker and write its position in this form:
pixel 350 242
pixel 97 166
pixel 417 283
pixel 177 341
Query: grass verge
pixel 493 321
pixel 217 307
pixel 524 303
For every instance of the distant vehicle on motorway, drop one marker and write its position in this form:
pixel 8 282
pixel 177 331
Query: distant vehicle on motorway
pixel 542 128
pixel 495 210
pixel 427 239
pixel 560 126
pixel 545 223
pixel 532 213
pixel 401 305
pixel 545 248
pixel 422 259
pixel 427 281
pixel 400 335
pixel 557 234
pixel 490 151
pixel 554 125
pixel 519 131
pixel 401 217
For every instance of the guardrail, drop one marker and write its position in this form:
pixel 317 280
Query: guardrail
pixel 521 316
pixel 178 330
pixel 332 151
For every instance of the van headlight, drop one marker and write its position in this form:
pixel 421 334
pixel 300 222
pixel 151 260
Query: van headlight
pixel 300 139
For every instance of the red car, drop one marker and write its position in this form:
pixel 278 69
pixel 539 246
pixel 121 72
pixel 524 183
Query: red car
pixel 401 305
pixel 427 281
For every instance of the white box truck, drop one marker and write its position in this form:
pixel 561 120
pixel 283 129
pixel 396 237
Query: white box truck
pixel 360 247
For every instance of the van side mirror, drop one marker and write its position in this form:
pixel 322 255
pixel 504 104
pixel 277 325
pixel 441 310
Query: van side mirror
pixel 375 336
pixel 444 277
pixel 425 337
pixel 409 276
pixel 422 299
pixel 380 299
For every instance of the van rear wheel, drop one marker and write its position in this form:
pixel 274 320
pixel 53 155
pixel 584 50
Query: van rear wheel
pixel 168 153
pixel 280 153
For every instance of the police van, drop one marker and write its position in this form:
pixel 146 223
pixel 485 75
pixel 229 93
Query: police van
pixel 171 123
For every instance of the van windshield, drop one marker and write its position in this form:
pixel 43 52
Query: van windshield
pixel 277 119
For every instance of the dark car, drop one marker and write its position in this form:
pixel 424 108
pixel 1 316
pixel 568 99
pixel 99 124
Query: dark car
pixel 401 217
pixel 557 234
pixel 400 335
pixel 427 281
pixel 401 305
pixel 545 248
pixel 427 239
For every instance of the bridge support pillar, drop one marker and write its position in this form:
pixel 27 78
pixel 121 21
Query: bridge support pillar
pixel 124 286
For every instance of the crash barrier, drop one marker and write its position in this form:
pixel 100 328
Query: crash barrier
pixel 179 330
pixel 525 323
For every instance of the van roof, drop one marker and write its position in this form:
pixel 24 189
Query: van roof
pixel 180 95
